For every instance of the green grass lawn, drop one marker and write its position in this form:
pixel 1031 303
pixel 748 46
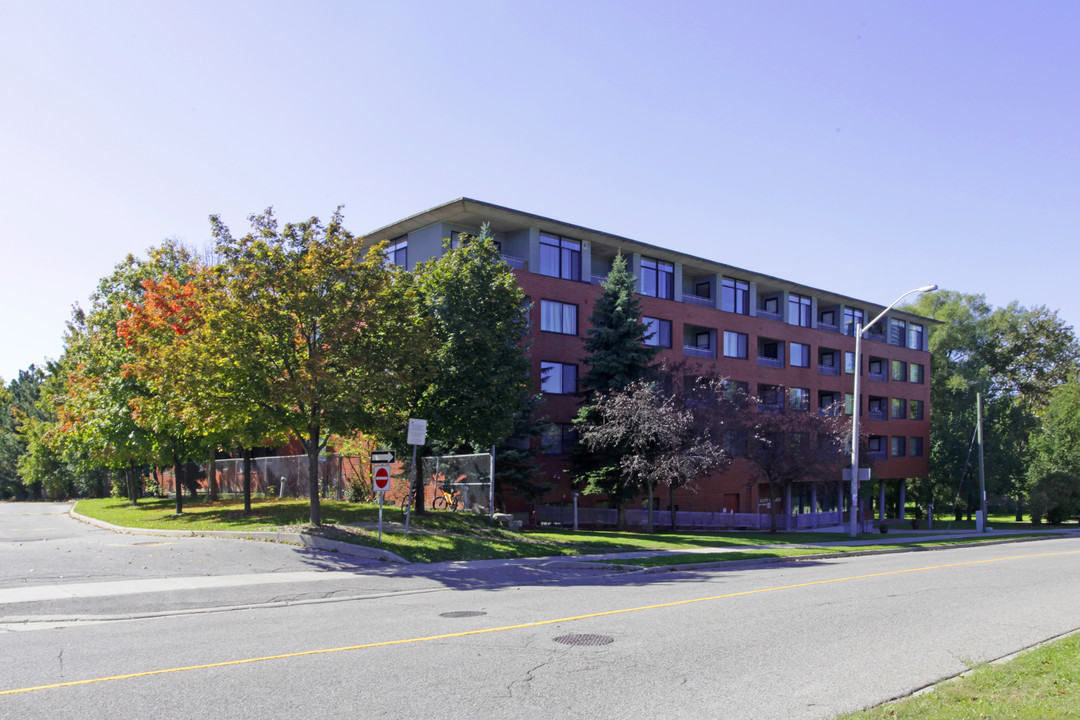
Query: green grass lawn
pixel 437 536
pixel 1043 684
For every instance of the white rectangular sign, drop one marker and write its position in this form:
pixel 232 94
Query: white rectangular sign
pixel 417 431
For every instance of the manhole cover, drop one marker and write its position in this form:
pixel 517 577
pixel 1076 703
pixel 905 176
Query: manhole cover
pixel 585 639
pixel 462 613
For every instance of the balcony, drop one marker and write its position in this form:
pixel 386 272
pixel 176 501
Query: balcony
pixel 701 352
pixel 770 362
pixel 697 300
pixel 514 262
pixel 767 315
pixel 828 369
pixel 876 454
pixel 770 407
pixel 874 414
pixel 597 279
pixel 879 376
pixel 828 327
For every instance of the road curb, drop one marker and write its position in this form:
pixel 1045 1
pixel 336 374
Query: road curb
pixel 309 541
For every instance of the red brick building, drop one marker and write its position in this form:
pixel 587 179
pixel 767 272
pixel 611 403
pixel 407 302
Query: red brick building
pixel 789 344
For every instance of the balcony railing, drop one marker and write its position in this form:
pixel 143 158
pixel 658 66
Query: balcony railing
pixel 882 377
pixel 828 369
pixel 697 300
pixel 828 326
pixel 876 454
pixel 767 315
pixel 514 262
pixel 776 407
pixel 770 362
pixel 597 279
pixel 701 352
pixel 877 415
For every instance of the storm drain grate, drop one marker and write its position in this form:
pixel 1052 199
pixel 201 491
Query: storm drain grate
pixel 584 639
pixel 462 613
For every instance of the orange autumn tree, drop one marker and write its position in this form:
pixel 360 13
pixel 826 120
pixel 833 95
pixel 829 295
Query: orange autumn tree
pixel 158 330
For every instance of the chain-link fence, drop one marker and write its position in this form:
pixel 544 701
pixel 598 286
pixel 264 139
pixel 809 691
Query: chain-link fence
pixel 280 476
pixel 465 478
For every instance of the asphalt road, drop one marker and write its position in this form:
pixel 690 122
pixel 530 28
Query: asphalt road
pixel 798 640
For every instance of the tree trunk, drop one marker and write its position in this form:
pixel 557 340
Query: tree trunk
pixel 133 496
pixel 313 472
pixel 211 477
pixel 247 480
pixel 418 487
pixel 650 513
pixel 671 505
pixel 1019 507
pixel 772 508
pixel 620 516
pixel 178 477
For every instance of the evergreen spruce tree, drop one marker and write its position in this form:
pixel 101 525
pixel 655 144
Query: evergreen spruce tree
pixel 617 356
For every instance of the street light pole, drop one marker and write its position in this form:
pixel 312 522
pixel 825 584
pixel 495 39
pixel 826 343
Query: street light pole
pixel 857 407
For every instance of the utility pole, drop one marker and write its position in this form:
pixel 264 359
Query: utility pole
pixel 982 475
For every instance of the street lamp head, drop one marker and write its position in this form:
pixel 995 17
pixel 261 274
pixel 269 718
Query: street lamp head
pixel 927 288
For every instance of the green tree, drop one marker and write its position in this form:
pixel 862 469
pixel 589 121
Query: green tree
pixel 1054 472
pixel 1014 356
pixel 617 356
pixel 329 336
pixel 95 417
pixel 18 405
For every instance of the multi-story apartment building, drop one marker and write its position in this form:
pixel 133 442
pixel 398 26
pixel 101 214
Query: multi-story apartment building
pixel 789 344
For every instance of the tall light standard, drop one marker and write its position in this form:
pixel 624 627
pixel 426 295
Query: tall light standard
pixel 856 410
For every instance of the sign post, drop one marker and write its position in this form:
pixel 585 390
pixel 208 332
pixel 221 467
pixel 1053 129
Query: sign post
pixel 417 435
pixel 380 482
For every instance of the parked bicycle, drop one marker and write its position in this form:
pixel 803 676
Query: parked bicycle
pixel 449 497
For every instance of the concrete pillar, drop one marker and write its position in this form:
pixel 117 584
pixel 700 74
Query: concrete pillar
pixel 813 312
pixel 813 498
pixel 677 290
pixel 903 499
pixel 753 298
pixel 717 290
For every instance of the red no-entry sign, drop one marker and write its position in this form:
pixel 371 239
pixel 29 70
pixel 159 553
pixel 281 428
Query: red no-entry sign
pixel 381 480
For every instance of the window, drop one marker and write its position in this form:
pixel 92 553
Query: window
pixel 916 334
pixel 560 257
pixel 852 317
pixel 735 388
pixel 799 399
pixel 657 278
pixel 915 373
pixel 770 398
pixel 557 439
pixel 849 404
pixel 458 238
pixel 899 408
pixel 849 362
pixel 398 252
pixel 899 371
pixel 876 445
pixel 735 442
pixel 798 310
pixel 657 332
pixel 876 407
pixel 915 447
pixel 899 446
pixel 771 305
pixel 876 368
pixel 558 378
pixel 735 344
pixel 800 354
pixel 897 332
pixel 558 317
pixel 916 410
pixel 703 289
pixel 735 296
pixel 828 403
pixel 827 317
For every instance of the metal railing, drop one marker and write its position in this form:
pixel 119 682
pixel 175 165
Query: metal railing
pixel 695 351
pixel 514 262
pixel 828 369
pixel 770 362
pixel 697 300
pixel 685 519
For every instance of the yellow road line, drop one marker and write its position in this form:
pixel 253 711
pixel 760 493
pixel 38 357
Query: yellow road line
pixel 521 626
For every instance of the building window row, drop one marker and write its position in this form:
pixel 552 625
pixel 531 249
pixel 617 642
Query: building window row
pixel 560 257
pixel 657 279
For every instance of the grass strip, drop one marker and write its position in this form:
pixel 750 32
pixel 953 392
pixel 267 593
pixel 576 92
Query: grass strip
pixel 1041 684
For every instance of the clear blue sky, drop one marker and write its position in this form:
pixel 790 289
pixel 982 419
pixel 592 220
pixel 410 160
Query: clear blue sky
pixel 867 147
